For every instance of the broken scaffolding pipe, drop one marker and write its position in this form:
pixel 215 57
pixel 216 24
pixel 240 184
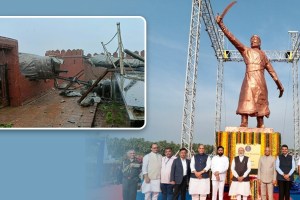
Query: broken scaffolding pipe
pixel 134 55
pixel 93 86
pixel 97 81
pixel 74 80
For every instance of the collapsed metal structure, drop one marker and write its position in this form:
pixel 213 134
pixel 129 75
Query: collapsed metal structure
pixel 202 8
pixel 129 80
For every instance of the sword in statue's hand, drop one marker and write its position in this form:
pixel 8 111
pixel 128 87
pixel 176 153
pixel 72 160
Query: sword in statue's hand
pixel 220 18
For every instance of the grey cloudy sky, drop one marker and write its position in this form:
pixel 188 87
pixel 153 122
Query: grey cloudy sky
pixel 37 35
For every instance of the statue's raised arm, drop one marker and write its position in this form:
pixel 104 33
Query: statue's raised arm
pixel 219 19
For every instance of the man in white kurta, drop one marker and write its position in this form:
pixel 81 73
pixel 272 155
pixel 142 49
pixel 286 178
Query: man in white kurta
pixel 240 167
pixel 219 167
pixel 151 171
pixel 199 185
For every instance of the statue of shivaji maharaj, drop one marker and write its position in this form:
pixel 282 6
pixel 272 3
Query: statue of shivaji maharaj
pixel 253 100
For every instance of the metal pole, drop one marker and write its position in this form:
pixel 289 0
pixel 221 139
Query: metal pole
pixel 120 49
pixel 296 106
pixel 219 87
pixel 294 36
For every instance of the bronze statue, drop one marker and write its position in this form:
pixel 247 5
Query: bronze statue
pixel 253 100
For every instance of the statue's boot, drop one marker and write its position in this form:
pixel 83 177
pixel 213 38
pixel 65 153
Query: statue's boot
pixel 244 122
pixel 260 122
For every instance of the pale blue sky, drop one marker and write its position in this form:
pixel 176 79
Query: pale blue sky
pixel 168 29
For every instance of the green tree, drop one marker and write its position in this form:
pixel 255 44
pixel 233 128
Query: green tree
pixel 117 147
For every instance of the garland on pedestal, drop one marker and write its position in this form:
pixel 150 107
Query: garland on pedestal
pixel 229 140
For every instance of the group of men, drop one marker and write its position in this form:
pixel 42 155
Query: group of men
pixel 171 175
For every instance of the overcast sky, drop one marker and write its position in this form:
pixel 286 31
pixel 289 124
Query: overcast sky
pixel 37 35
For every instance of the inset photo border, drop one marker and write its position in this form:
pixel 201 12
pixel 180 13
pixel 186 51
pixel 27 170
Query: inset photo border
pixel 73 72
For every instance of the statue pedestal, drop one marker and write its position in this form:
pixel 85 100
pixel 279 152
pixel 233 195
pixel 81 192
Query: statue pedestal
pixel 254 139
pixel 247 129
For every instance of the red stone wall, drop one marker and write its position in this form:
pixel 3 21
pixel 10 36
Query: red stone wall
pixel 12 60
pixel 73 61
pixel 29 90
pixel 92 73
pixel 20 89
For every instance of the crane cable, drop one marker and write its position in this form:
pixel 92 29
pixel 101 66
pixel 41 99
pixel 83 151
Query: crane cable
pixel 122 49
pixel 111 39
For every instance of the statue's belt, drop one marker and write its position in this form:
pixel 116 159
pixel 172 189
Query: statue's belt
pixel 254 67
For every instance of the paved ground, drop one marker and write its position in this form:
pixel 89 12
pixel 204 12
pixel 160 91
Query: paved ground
pixel 50 110
pixel 114 192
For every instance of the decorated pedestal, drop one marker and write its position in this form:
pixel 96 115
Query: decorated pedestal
pixel 254 140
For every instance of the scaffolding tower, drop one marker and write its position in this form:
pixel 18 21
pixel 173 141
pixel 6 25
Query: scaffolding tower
pixel 188 124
